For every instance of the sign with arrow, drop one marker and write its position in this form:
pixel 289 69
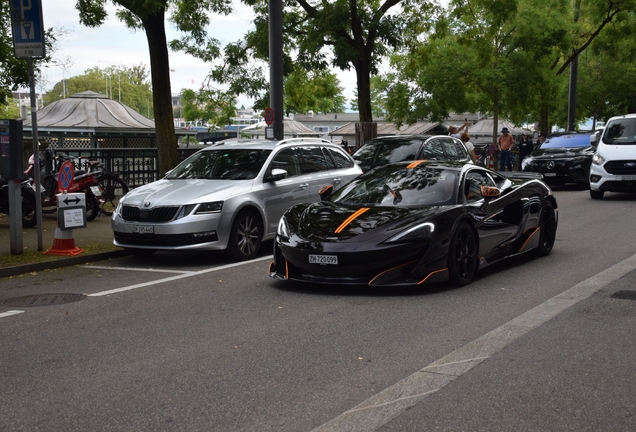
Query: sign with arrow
pixel 71 210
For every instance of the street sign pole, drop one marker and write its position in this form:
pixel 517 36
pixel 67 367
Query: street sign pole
pixel 27 28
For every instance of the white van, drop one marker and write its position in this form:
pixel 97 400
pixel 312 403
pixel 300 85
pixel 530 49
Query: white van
pixel 614 162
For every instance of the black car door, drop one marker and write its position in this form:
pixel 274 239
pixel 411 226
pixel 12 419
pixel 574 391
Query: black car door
pixel 497 218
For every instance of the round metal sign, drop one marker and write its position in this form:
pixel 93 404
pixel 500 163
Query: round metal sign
pixel 65 175
pixel 269 116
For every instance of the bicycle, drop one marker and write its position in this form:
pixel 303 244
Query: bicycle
pixel 110 189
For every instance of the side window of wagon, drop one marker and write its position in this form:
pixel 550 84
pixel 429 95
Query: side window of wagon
pixel 341 160
pixel 288 160
pixel 313 159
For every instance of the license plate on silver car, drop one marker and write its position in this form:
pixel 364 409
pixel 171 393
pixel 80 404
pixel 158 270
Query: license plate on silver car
pixel 323 259
pixel 550 174
pixel 143 229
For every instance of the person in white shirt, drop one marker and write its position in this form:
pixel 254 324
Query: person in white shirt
pixel 469 145
pixel 455 131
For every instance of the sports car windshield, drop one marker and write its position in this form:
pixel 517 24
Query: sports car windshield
pixel 221 164
pixel 622 131
pixel 566 141
pixel 402 187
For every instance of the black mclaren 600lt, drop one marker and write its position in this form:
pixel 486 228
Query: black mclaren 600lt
pixel 410 223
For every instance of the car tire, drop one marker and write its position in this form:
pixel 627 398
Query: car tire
pixel 462 255
pixel 547 229
pixel 245 236
pixel 596 194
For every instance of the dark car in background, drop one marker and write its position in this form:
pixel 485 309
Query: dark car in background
pixel 397 148
pixel 563 159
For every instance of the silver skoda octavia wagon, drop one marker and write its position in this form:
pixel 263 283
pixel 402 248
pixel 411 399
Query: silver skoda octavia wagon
pixel 229 197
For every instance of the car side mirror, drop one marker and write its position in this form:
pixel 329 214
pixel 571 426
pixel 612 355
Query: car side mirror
pixel 489 192
pixel 277 174
pixel 325 192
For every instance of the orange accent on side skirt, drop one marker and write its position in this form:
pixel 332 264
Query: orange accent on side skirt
pixel 431 274
pixel 350 219
pixel 528 239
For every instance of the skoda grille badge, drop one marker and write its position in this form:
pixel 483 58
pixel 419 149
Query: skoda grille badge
pixel 147 204
pixel 550 165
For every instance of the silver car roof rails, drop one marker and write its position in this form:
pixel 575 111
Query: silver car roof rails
pixel 305 139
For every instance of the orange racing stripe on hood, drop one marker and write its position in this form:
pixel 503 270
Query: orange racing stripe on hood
pixel 350 219
pixel 415 163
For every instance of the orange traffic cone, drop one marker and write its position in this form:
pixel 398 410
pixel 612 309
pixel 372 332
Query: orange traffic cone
pixel 491 164
pixel 63 244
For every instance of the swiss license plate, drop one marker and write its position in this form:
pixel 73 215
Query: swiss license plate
pixel 323 259
pixel 627 178
pixel 550 174
pixel 143 229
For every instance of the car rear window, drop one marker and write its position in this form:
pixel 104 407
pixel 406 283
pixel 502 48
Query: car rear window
pixel 383 152
pixel 567 141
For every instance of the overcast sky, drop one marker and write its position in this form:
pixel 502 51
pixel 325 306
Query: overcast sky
pixel 114 44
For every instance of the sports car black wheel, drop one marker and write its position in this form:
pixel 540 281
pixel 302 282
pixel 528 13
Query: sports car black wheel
pixel 462 255
pixel 595 194
pixel 245 236
pixel 547 227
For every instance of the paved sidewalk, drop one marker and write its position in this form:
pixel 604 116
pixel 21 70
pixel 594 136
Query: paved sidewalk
pixel 96 240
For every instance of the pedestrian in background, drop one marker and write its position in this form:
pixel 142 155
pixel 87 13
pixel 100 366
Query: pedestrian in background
pixel 525 148
pixel 505 142
pixel 469 145
pixel 455 131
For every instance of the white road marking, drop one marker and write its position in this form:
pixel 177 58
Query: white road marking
pixel 138 269
pixel 393 401
pixel 173 278
pixel 10 313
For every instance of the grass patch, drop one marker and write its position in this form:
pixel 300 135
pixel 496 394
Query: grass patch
pixel 34 256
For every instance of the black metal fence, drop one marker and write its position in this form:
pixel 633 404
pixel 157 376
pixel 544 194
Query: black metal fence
pixel 137 166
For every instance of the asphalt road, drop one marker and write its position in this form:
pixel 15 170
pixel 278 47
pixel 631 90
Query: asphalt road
pixel 194 342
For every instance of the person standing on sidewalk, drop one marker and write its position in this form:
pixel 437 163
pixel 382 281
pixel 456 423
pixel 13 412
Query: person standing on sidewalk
pixel 505 142
pixel 525 148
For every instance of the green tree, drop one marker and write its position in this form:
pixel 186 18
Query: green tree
pixel 341 34
pixel 190 17
pixel 316 91
pixel 209 106
pixel 129 85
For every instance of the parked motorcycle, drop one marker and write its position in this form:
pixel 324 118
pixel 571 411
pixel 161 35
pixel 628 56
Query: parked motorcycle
pixel 82 182
pixel 28 201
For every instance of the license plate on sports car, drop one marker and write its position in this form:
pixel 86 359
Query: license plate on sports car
pixel 143 229
pixel 550 174
pixel 323 259
pixel 627 178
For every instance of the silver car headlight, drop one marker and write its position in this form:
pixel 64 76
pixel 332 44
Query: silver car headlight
pixel 597 159
pixel 210 207
pixel 185 210
pixel 421 232
pixel 283 229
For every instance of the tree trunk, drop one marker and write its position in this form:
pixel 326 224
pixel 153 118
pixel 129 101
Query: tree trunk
pixel 162 95
pixel 366 129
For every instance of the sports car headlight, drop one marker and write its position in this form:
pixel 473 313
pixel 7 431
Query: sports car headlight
pixel 597 159
pixel 419 232
pixel 282 229
pixel 210 207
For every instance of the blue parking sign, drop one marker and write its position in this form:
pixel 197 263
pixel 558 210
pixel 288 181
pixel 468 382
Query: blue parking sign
pixel 28 28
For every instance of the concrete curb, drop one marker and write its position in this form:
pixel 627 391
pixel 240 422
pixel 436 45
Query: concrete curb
pixel 63 262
